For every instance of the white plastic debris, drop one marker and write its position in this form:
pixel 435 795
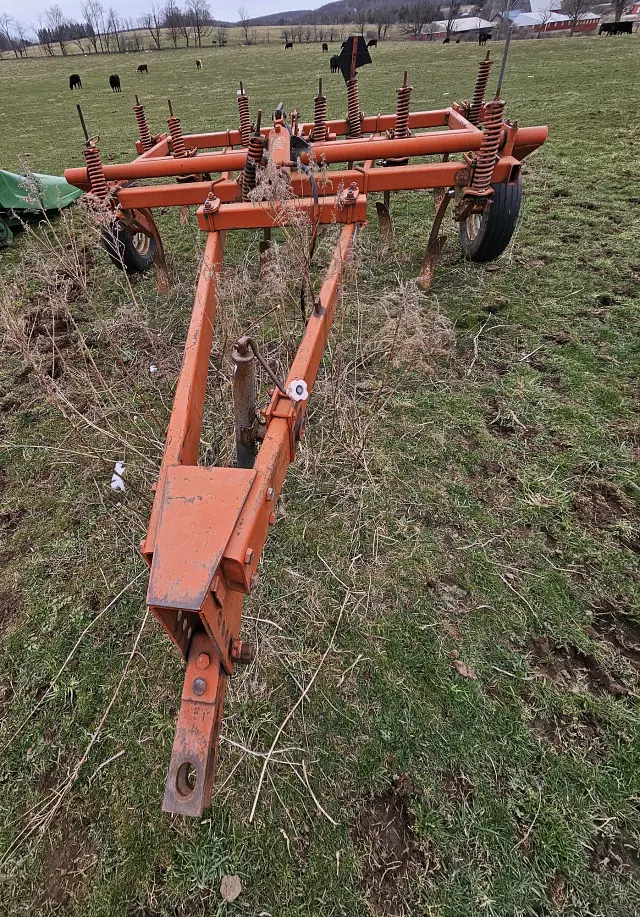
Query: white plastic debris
pixel 153 369
pixel 116 478
pixel 297 390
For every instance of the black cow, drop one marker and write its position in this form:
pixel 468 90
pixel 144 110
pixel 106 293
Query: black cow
pixel 75 82
pixel 373 43
pixel 288 44
pixel 447 41
pixel 114 82
pixel 325 46
pixel 143 68
pixel 334 63
pixel 616 28
pixel 483 37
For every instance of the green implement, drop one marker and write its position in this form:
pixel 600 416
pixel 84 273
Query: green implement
pixel 22 199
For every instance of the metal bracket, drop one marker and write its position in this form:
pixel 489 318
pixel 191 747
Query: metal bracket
pixel 195 745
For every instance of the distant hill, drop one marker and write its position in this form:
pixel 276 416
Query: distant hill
pixel 330 13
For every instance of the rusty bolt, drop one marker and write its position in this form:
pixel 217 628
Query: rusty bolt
pixel 272 518
pixel 248 556
pixel 203 661
pixel 255 579
pixel 242 653
pixel 269 494
pixel 461 177
pixel 212 202
pixel 199 686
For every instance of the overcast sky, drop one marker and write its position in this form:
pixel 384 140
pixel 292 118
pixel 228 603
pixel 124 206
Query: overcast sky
pixel 27 10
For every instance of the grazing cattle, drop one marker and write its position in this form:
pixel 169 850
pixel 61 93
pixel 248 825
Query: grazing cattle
pixel 616 28
pixel 288 44
pixel 483 37
pixel 198 64
pixel 373 43
pixel 75 82
pixel 457 41
pixel 143 68
pixel 114 82
pixel 334 63
pixel 325 46
pixel 447 41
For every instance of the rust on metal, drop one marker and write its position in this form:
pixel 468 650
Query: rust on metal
pixel 208 525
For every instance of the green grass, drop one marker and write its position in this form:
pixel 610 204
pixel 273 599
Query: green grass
pixel 457 514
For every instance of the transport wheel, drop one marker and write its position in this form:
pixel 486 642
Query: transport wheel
pixel 484 236
pixel 133 251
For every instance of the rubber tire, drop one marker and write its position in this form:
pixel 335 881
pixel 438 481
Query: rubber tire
pixel 497 224
pixel 118 244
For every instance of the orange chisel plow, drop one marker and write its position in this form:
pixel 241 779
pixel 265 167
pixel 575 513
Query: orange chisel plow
pixel 208 525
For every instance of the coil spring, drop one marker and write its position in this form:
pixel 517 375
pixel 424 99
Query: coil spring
pixel 177 140
pixel 488 151
pixel 484 68
pixel 245 119
pixel 402 112
pixel 254 156
pixel 97 177
pixel 353 108
pixel 319 130
pixel 143 127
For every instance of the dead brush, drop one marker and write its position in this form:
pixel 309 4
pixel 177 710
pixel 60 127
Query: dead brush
pixel 77 354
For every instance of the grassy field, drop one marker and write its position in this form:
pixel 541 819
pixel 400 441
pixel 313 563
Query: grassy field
pixel 460 532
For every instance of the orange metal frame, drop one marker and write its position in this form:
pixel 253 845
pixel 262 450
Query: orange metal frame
pixel 208 525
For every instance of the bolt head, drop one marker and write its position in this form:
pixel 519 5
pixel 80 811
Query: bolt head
pixel 199 686
pixel 269 494
pixel 272 518
pixel 255 579
pixel 248 556
pixel 203 661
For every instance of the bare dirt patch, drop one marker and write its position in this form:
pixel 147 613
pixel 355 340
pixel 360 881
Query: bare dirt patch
pixel 565 732
pixel 392 852
pixel 67 866
pixel 9 608
pixel 619 855
pixel 570 667
pixel 615 624
pixel 457 785
pixel 602 504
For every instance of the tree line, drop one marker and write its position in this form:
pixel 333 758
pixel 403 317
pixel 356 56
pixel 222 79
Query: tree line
pixel 103 31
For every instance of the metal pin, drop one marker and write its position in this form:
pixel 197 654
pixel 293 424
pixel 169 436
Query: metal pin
pixel 170 108
pixel 404 81
pixel 258 121
pixel 84 126
pixel 320 86
pixel 137 100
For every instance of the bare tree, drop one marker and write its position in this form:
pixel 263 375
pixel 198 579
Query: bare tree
pixel 200 15
pixel 22 32
pixel 113 29
pixel 221 35
pixel 56 24
pixel 575 9
pixel 152 22
pixel 172 17
pixel 619 9
pixel 419 14
pixel 383 15
pixel 361 14
pixel 93 14
pixel 7 31
pixel 184 26
pixel 545 16
pixel 243 16
pixel 44 36
pixel 454 10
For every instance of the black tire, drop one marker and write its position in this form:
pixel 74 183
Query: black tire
pixel 133 252
pixel 485 236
